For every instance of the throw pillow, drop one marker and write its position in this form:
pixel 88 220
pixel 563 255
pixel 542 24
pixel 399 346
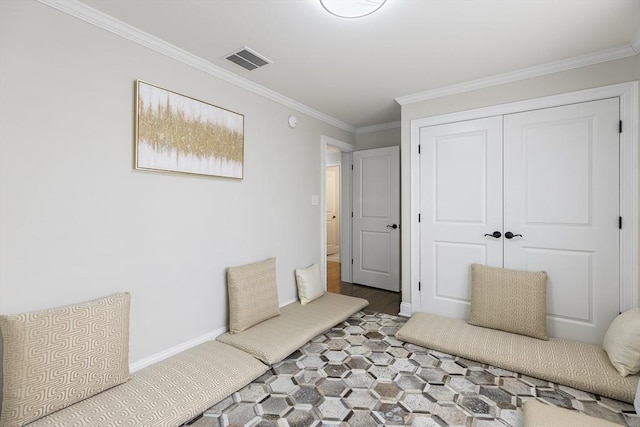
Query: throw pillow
pixel 253 294
pixel 54 358
pixel 509 300
pixel 622 342
pixel 309 284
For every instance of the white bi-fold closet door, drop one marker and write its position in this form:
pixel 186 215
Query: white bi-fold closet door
pixel 537 190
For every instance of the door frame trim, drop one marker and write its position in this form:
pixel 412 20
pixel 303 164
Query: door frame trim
pixel 393 153
pixel 347 148
pixel 629 176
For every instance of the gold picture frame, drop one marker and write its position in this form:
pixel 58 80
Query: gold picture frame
pixel 177 133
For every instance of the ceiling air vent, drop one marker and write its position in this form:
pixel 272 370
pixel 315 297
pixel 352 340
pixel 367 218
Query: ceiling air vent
pixel 248 59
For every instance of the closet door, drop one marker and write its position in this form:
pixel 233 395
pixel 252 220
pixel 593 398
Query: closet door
pixel 461 207
pixel 561 193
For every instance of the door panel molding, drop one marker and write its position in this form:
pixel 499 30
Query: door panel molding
pixel 461 202
pixel 560 164
pixel 376 215
pixel 629 174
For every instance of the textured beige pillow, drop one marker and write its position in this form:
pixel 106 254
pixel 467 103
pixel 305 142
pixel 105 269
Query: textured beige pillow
pixel 622 342
pixel 509 300
pixel 309 284
pixel 54 358
pixel 253 294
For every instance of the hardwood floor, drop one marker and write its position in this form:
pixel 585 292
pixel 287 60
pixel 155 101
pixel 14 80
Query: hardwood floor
pixel 379 300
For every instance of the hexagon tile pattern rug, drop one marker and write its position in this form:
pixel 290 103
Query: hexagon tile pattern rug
pixel 358 374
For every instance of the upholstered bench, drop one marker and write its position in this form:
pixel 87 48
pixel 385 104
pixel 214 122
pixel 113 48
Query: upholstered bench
pixel 260 327
pixel 167 393
pixel 507 329
pixel 538 414
pixel 68 366
pixel 579 365
pixel 274 339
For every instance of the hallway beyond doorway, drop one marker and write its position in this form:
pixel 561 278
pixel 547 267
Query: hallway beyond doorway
pixel 379 300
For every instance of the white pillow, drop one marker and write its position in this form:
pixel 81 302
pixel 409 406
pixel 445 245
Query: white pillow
pixel 622 342
pixel 309 284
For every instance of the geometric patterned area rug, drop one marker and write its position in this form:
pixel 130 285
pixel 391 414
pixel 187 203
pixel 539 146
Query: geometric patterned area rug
pixel 358 374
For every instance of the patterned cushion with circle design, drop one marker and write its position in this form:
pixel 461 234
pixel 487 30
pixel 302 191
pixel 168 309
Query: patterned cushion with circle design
pixel 54 358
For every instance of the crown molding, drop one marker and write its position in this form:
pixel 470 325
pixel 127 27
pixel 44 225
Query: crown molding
pixel 343 146
pixel 375 128
pixel 92 16
pixel 95 17
pixel 526 73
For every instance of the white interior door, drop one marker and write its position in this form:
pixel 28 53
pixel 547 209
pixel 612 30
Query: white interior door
pixel 333 209
pixel 561 193
pixel 461 202
pixel 548 182
pixel 376 218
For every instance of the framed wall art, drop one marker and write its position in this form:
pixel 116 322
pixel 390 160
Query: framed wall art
pixel 177 133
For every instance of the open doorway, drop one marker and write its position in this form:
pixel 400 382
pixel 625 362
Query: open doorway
pixel 333 213
pixel 337 236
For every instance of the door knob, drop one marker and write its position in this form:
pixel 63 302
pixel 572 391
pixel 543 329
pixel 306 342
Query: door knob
pixel 394 226
pixel 495 235
pixel 510 235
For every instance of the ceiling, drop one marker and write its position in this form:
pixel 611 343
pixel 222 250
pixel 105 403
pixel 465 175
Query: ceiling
pixel 353 69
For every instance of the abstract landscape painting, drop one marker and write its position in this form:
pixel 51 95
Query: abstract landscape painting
pixel 177 133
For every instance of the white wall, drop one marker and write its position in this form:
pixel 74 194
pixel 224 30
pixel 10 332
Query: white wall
pixel 619 71
pixel 77 222
pixel 378 139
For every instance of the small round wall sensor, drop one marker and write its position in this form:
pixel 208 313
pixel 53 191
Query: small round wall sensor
pixel 293 121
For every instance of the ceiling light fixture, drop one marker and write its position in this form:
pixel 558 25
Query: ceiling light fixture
pixel 352 8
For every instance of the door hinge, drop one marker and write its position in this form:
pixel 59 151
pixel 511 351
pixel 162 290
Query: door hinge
pixel 419 286
pixel 351 214
pixel 419 148
pixel 351 260
pixel 620 126
pixel 419 217
pixel 620 222
pixel 351 167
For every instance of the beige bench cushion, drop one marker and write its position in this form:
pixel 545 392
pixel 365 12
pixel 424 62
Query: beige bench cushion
pixel 167 393
pixel 538 414
pixel 276 338
pixel 571 363
pixel 56 357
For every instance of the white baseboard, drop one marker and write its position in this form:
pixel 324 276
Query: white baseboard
pixel 176 349
pixel 291 301
pixel 405 310
pixel 141 364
